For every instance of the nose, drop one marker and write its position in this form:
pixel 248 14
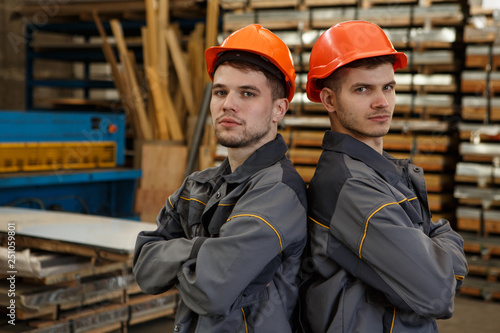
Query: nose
pixel 229 103
pixel 381 100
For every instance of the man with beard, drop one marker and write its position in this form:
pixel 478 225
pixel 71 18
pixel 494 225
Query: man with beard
pixel 230 238
pixel 377 262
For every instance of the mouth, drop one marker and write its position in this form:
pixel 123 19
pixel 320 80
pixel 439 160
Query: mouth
pixel 380 117
pixel 229 122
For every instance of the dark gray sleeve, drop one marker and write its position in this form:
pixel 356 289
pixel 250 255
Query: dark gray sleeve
pixel 416 268
pixel 263 223
pixel 160 254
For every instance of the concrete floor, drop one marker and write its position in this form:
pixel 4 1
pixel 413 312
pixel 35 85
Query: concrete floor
pixel 471 316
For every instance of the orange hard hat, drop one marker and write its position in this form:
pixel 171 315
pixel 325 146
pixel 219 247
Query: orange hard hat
pixel 344 43
pixel 260 46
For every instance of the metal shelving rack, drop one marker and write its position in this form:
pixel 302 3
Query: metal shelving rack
pixel 84 52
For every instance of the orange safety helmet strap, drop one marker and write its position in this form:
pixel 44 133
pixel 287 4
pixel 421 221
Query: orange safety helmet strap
pixel 342 44
pixel 260 41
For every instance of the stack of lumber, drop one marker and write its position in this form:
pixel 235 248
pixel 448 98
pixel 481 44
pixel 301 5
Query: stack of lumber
pixel 477 174
pixel 70 275
pixel 477 177
pixel 480 101
pixel 159 96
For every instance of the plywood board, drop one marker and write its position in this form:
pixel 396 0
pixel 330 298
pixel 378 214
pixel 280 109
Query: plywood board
pixel 106 233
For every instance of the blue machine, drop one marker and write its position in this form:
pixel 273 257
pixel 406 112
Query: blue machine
pixel 97 191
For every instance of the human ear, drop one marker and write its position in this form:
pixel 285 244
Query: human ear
pixel 280 109
pixel 327 97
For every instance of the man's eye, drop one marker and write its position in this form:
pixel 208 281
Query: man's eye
pixel 248 94
pixel 361 89
pixel 219 93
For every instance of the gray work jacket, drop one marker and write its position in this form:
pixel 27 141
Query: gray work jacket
pixel 231 243
pixel 377 261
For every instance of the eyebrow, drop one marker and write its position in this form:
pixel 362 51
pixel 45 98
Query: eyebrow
pixel 247 87
pixel 361 84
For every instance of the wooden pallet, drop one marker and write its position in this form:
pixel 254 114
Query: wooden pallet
pixel 428 162
pixel 440 202
pixel 438 182
pixel 258 4
pixel 482 56
pixel 35 301
pixel 487 34
pixel 483 247
pixel 478 287
pixel 370 3
pixel 233 4
pixel 389 16
pixel 327 3
pixel 480 152
pixel 108 317
pixel 482 132
pixel 418 142
pixel 421 83
pixel 489 269
pixel 480 112
pixel 482 174
pixel 65 247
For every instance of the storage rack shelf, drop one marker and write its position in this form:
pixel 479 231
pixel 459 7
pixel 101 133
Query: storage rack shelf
pixel 78 50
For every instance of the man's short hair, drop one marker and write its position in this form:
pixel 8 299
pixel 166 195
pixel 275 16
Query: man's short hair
pixel 250 61
pixel 334 81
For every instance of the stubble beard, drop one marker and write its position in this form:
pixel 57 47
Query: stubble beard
pixel 244 140
pixel 351 124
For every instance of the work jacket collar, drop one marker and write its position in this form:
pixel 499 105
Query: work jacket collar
pixel 265 156
pixel 358 150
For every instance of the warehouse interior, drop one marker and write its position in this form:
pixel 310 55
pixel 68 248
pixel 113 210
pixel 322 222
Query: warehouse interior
pixel 104 111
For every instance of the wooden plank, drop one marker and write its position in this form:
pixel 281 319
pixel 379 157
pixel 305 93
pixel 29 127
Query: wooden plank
pixel 152 33
pixel 422 143
pixel 151 201
pixel 66 247
pixel 438 182
pixel 80 234
pixel 144 124
pixel 163 60
pixel 304 155
pixel 469 224
pixel 440 202
pixel 312 3
pixel 488 268
pixel 485 247
pixel 257 4
pixel 161 113
pixel 480 113
pixel 306 138
pixel 181 69
pixel 159 169
pixel 429 162
pixel 108 52
pixel 197 62
pixel 164 110
pixel 211 31
pixel 306 172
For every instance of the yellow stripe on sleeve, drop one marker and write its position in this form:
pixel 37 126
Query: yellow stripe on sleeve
pixel 263 220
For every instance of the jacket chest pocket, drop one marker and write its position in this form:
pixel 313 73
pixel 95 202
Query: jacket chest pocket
pixel 214 219
pixel 190 213
pixel 198 220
